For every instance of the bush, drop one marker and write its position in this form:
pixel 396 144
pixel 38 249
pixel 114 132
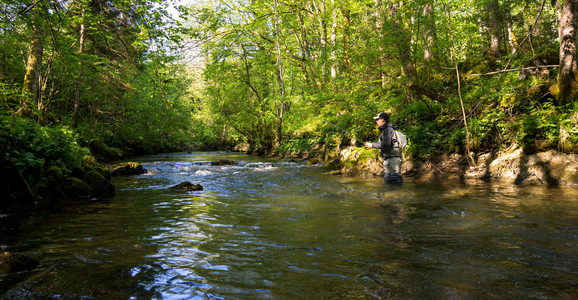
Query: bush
pixel 30 153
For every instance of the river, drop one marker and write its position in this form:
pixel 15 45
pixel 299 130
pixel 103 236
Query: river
pixel 277 229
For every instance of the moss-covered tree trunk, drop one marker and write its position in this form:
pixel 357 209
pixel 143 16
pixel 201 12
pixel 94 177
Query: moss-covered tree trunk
pixel 31 86
pixel 567 77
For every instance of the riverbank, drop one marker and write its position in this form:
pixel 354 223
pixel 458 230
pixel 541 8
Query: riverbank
pixel 512 166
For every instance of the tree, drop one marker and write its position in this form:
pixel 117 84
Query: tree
pixel 568 75
pixel 429 32
pixel 495 25
pixel 402 41
pixel 32 87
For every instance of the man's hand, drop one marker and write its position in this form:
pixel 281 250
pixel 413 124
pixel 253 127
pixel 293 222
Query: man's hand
pixel 368 145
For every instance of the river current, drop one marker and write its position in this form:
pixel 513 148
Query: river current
pixel 277 229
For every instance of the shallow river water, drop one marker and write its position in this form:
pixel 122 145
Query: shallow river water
pixel 273 229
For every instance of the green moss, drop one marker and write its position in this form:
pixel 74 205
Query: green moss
pixel 102 150
pixel 333 165
pixel 54 173
pixel 367 156
pixel 349 164
pixel 89 160
pixel 313 161
pixel 224 162
pixel 128 168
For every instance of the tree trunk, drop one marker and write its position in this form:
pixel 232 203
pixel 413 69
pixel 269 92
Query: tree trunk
pixel 333 40
pixel 429 32
pixel 79 74
pixel 279 106
pixel 31 86
pixel 379 18
pixel 346 11
pixel 495 26
pixel 512 41
pixel 304 47
pixel 567 79
pixel 403 46
pixel 320 10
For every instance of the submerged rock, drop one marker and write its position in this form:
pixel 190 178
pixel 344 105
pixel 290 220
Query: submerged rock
pixel 224 162
pixel 16 262
pixel 187 187
pixel 128 168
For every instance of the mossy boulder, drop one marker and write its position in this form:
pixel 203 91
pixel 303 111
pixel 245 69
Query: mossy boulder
pixel 359 161
pixel 224 162
pixel 313 161
pixel 101 186
pixel 89 160
pixel 186 187
pixel 103 151
pixel 16 262
pixel 333 165
pixel 54 173
pixel 102 171
pixel 127 168
pixel 76 188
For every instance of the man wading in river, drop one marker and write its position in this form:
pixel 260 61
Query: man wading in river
pixel 389 149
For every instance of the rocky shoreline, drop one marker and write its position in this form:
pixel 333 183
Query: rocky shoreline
pixel 550 168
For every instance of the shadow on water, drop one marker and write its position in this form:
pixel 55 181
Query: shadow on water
pixel 266 228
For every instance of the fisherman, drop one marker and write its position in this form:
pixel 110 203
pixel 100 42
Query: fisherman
pixel 389 149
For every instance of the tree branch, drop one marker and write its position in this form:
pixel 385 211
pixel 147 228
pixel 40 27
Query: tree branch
pixel 514 70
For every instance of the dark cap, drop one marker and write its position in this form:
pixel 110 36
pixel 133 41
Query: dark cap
pixel 381 115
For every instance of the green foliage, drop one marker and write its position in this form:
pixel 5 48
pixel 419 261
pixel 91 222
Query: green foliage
pixel 33 149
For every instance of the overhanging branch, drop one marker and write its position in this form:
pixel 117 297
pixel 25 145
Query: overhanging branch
pixel 514 70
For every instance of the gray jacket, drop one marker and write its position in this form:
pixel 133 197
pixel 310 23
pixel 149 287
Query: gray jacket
pixel 387 145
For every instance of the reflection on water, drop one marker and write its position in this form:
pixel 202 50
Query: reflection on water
pixel 269 229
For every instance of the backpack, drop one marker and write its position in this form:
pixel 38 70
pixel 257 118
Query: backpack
pixel 401 139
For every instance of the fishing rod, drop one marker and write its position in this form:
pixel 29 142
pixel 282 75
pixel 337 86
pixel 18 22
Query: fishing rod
pixel 343 130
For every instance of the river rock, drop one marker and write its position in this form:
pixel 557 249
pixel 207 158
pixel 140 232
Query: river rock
pixel 514 166
pixel 333 165
pixel 103 151
pixel 76 188
pixel 358 161
pixel 101 186
pixel 127 168
pixel 551 167
pixel 313 161
pixel 187 187
pixel 224 162
pixel 16 262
